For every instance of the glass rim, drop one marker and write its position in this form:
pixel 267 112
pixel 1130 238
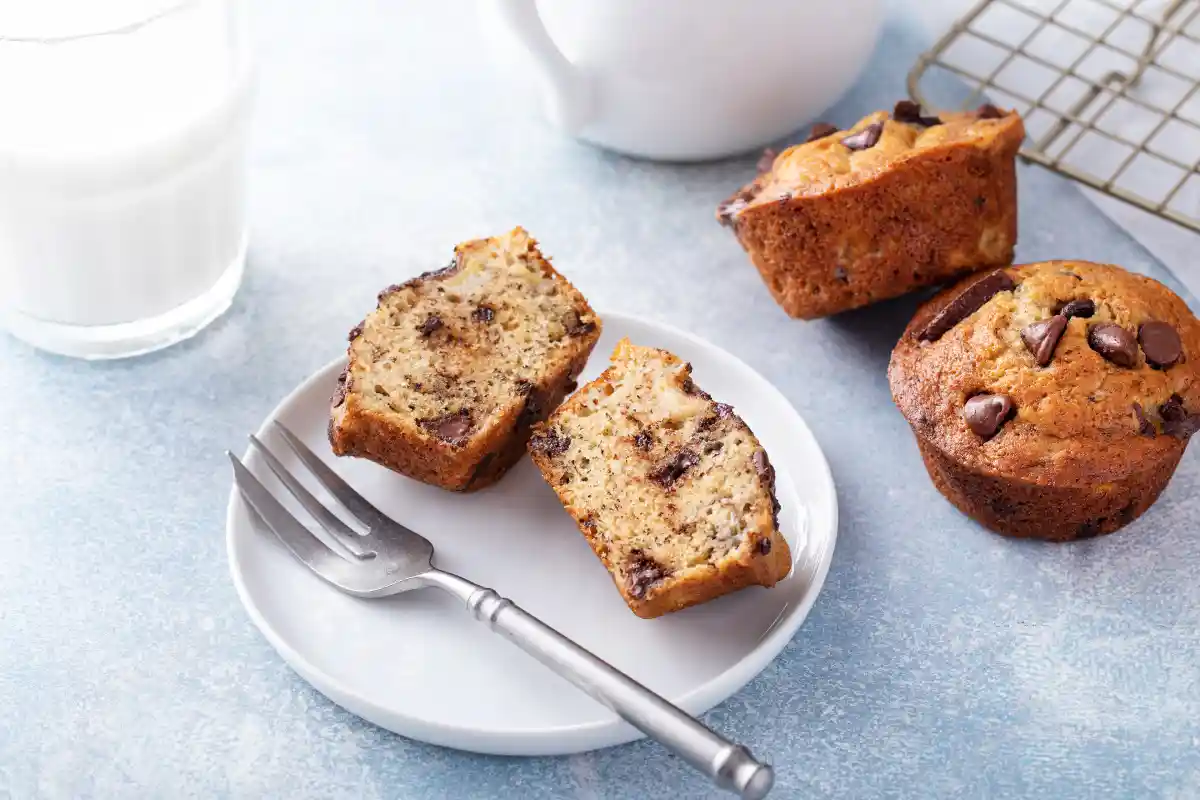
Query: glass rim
pixel 131 23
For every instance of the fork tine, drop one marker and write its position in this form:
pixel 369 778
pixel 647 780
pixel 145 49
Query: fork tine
pixel 303 544
pixel 354 502
pixel 343 538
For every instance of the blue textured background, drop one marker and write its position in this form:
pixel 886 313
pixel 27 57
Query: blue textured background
pixel 940 661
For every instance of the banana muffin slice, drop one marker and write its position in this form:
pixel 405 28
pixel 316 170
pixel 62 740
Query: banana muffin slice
pixel 446 377
pixel 896 202
pixel 670 488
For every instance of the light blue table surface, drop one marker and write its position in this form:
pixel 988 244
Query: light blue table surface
pixel 940 660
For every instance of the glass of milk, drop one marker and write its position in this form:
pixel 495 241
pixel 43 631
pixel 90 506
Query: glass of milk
pixel 122 170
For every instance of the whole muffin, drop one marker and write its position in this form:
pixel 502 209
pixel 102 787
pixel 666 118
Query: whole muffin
pixel 896 202
pixel 1051 400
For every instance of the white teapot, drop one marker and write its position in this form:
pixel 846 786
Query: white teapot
pixel 687 80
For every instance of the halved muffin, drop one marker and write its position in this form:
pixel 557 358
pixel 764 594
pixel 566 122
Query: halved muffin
pixel 671 489
pixel 446 377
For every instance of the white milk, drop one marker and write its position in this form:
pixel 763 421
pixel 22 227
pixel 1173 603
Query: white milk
pixel 122 165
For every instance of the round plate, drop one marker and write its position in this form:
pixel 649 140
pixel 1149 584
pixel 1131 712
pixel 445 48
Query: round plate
pixel 419 665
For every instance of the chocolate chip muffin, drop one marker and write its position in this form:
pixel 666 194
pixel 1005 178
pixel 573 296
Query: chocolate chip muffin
pixel 1051 400
pixel 446 377
pixel 894 203
pixel 670 488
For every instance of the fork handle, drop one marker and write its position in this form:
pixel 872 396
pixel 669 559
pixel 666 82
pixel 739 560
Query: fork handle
pixel 730 766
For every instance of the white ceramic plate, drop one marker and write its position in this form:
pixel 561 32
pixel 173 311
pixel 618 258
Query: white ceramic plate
pixel 417 664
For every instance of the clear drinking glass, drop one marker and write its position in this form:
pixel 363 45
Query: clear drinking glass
pixel 122 170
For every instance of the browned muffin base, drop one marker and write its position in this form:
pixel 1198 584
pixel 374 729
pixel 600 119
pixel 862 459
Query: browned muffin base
pixel 1059 514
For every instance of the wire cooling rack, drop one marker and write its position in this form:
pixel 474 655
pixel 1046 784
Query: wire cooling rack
pixel 1109 89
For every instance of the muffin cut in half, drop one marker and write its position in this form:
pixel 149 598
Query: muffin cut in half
pixel 446 377
pixel 670 488
pixel 894 203
pixel 1051 400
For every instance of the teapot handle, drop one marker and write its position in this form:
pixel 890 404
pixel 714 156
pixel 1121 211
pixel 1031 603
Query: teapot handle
pixel 568 94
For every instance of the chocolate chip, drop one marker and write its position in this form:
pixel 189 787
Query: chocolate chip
pixel 689 387
pixel 989 111
pixel 1161 344
pixel 766 160
pixel 644 440
pixel 356 331
pixel 577 326
pixel 570 386
pixel 339 393
pixel 483 314
pixel 641 573
pixel 1177 421
pixel 1114 343
pixel 840 274
pixel 667 474
pixel 395 287
pixel 1042 337
pixel 865 139
pixel 967 302
pixel 589 523
pixel 1145 426
pixel 820 131
pixel 451 428
pixel 1078 308
pixel 980 202
pixel 764 546
pixel 449 269
pixel 431 324
pixel 533 409
pixel 549 442
pixel 762 465
pixel 722 410
pixel 909 112
pixel 523 386
pixel 987 413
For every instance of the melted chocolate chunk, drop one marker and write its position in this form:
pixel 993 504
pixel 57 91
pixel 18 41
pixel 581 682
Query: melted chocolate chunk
pixel 644 440
pixel 641 573
pixel 1114 343
pixel 989 111
pixel 820 131
pixel 431 324
pixel 987 413
pixel 667 474
pixel 1042 337
pixel 451 428
pixel 339 393
pixel 576 326
pixel 570 386
pixel 840 274
pixel 533 410
pixel 865 139
pixel 356 331
pixel 550 442
pixel 483 314
pixel 764 546
pixel 722 410
pixel 689 387
pixel 766 474
pixel 766 160
pixel 1177 421
pixel 909 112
pixel 1161 344
pixel 967 302
pixel 1078 308
pixel 1145 426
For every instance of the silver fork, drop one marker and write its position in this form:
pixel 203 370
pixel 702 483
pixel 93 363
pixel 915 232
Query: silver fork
pixel 391 559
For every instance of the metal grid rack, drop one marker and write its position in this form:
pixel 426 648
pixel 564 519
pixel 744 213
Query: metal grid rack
pixel 1110 90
